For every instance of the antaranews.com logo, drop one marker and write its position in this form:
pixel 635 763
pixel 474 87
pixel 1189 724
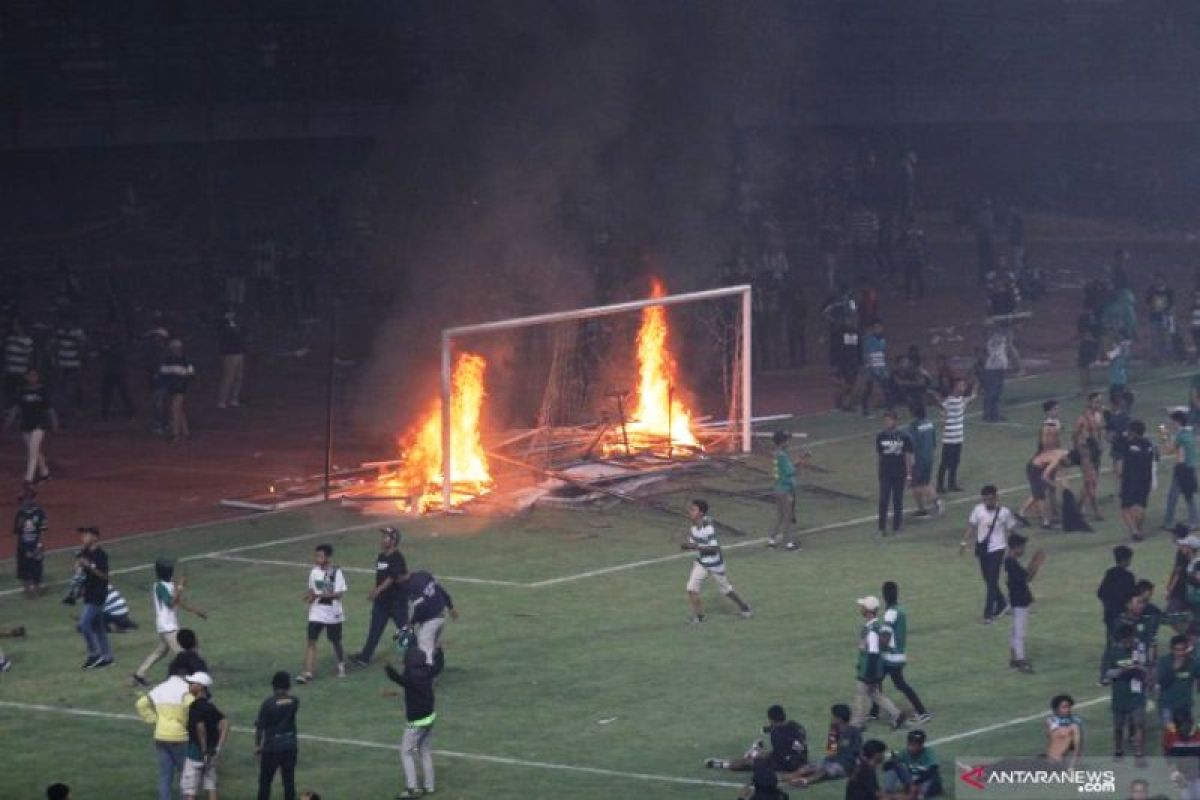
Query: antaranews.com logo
pixel 1036 778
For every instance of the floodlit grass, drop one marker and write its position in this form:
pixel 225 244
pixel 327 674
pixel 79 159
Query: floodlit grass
pixel 599 672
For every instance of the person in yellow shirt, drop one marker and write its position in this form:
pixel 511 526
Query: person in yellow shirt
pixel 165 707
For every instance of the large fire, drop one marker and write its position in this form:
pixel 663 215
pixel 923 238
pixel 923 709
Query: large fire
pixel 418 476
pixel 658 419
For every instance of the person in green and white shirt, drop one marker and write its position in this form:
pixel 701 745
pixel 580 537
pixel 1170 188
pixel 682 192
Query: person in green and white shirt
pixel 894 638
pixel 167 596
pixel 326 585
pixel 915 775
pixel 709 562
pixel 869 670
pixel 784 491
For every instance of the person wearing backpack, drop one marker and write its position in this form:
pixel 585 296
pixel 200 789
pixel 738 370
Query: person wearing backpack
pixel 326 585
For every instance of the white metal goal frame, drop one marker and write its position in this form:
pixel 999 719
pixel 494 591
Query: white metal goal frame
pixel 450 334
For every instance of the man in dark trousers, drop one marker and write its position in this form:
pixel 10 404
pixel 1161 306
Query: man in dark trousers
pixel 275 738
pixel 1116 587
pixel 29 527
pixel 417 680
pixel 895 452
pixel 113 373
pixel 894 639
pixel 987 530
pixel 92 561
pixel 389 601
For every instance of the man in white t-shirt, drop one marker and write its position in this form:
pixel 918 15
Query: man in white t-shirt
pixel 988 528
pixel 326 585
pixel 167 596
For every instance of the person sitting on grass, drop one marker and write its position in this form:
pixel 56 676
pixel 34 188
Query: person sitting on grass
pixel 789 746
pixel 58 791
pixel 913 773
pixel 842 745
pixel 764 785
pixel 863 781
pixel 1064 732
pixel 1181 747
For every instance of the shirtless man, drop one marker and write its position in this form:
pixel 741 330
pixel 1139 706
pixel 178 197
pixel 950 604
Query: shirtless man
pixel 1064 732
pixel 1089 432
pixel 1042 474
pixel 1049 438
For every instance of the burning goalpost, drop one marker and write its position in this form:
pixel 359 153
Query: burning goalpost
pixel 657 414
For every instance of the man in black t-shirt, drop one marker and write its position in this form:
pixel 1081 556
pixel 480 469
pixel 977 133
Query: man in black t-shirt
pixel 863 782
pixel 389 601
pixel 207 730
pixel 895 452
pixel 92 561
pixel 1137 470
pixel 789 746
pixel 29 527
pixel 275 737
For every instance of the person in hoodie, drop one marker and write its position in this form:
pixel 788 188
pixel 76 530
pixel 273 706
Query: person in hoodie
pixel 417 680
pixel 166 708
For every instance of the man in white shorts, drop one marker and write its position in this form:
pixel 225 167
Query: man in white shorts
pixel 709 562
pixel 326 585
pixel 207 730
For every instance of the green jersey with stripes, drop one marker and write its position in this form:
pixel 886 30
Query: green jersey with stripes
pixel 708 549
pixel 895 624
pixel 868 646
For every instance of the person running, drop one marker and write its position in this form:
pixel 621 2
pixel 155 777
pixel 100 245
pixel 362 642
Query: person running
pixel 167 596
pixel 1085 440
pixel 36 417
pixel 869 671
pixel 326 585
pixel 842 745
pixel 92 561
pixel 166 708
pixel 388 599
pixel 789 747
pixel 923 434
pixel 988 527
pixel 710 561
pixel 431 604
pixel 895 457
pixel 1182 440
pixel 1064 732
pixel 894 637
pixel 1137 478
pixel 1128 678
pixel 417 681
pixel 954 413
pixel 784 492
pixel 29 527
pixel 1176 674
pixel 207 730
pixel 1020 597
pixel 275 739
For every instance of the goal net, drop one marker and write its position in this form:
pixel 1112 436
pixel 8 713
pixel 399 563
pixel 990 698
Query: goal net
pixel 665 377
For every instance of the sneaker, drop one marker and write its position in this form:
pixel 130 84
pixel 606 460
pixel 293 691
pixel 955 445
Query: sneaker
pixel 939 506
pixel 101 663
pixel 791 546
pixel 696 620
pixel 1006 610
pixel 409 794
pixel 987 621
pixel 341 670
pixel 923 717
pixel 304 677
pixel 747 614
pixel 1025 667
pixel 714 763
pixel 138 680
pixel 899 721
pixel 90 662
pixel 771 542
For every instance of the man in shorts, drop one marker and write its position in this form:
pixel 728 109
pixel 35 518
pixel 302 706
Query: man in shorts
pixel 923 434
pixel 207 730
pixel 326 585
pixel 1137 476
pixel 1085 440
pixel 710 562
pixel 1042 472
pixel 842 746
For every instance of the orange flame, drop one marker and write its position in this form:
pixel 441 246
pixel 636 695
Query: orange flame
pixel 419 475
pixel 658 412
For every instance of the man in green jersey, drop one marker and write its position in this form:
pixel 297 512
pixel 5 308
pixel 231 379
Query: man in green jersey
pixel 913 772
pixel 1127 677
pixel 1176 676
pixel 784 491
pixel 923 434
pixel 894 638
pixel 869 671
pixel 1181 441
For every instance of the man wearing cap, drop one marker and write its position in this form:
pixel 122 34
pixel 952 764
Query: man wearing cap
pixel 29 526
pixel 869 672
pixel 167 596
pixel 784 492
pixel 895 452
pixel 92 562
pixel 988 527
pixel 166 708
pixel 389 601
pixel 207 730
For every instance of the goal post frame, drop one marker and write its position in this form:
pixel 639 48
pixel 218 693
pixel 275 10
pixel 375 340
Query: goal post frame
pixel 743 291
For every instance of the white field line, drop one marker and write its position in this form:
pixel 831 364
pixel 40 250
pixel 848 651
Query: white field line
pixel 363 743
pixel 363 570
pixel 954 737
pixel 239 549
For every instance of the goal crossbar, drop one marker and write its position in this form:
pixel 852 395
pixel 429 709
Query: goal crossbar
pixel 449 334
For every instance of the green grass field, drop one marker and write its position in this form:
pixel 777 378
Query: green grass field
pixel 567 684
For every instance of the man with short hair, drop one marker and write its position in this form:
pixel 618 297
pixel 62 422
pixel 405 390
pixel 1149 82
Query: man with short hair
pixel 166 708
pixel 868 687
pixel 275 738
pixel 863 781
pixel 1114 589
pixel 1183 478
pixel 1128 676
pixel 894 451
pixel 29 527
pixel 1176 674
pixel 431 604
pixel 842 745
pixel 988 528
pixel 923 434
pixel 954 414
pixel 1050 433
pixel 894 633
pixel 189 652
pixel 995 364
pixel 875 368
pixel 784 492
pixel 92 561
pixel 175 375
pixel 388 599
pixel 710 561
pixel 58 791
pixel 1138 458
pixel 789 746
pixel 326 585
pixel 207 730
pixel 1085 440
pixel 919 764
pixel 1020 597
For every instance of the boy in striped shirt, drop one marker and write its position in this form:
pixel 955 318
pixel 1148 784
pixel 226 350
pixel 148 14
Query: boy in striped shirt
pixel 709 562
pixel 954 411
